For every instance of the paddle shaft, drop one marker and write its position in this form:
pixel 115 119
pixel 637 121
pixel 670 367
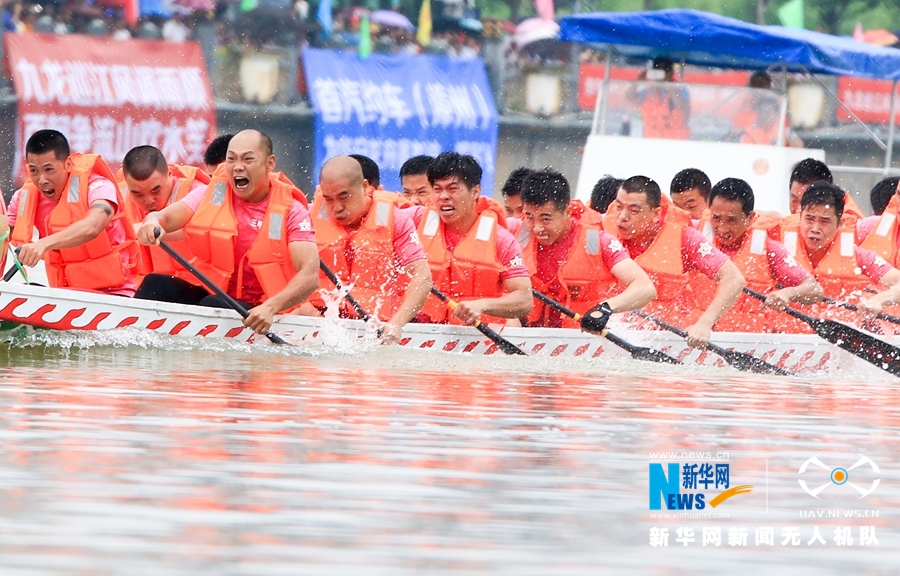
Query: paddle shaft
pixel 10 273
pixel 12 270
pixel 637 352
pixel 848 306
pixel 740 360
pixel 360 311
pixel 861 345
pixel 275 338
pixel 497 339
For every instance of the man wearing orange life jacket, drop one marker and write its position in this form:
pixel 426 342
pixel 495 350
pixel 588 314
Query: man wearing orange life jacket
pixel 151 184
pixel 689 191
pixel 216 152
pixel 803 175
pixel 742 236
pixel 826 249
pixel 572 260
pixel 369 244
pixel 250 233
pixel 473 258
pixel 880 233
pixel 511 191
pixel 668 249
pixel 665 108
pixel 85 240
pixel 414 180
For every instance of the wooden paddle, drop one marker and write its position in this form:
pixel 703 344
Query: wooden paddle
pixel 497 339
pixel 275 338
pixel 637 352
pixel 740 360
pixel 865 346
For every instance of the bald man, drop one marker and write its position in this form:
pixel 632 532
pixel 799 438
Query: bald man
pixel 250 233
pixel 371 245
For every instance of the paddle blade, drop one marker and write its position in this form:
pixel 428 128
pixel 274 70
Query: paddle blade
pixel 652 355
pixel 748 363
pixel 869 348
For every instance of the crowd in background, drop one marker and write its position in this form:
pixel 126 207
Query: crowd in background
pixel 244 23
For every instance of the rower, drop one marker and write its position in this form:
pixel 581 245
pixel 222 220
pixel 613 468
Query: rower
pixel 572 260
pixel 89 226
pixel 604 192
pixel 826 249
pixel 512 192
pixel 250 233
pixel 659 238
pixel 741 235
pixel 151 184
pixel 473 258
pixel 689 191
pixel 216 152
pixel 414 180
pixel 371 245
pixel 881 232
pixel 370 171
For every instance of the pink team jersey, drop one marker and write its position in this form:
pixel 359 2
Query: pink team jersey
pixel 697 253
pixel 197 189
pixel 784 269
pixel 407 247
pixel 249 221
pixel 871 264
pixel 550 258
pixel 99 188
pixel 509 253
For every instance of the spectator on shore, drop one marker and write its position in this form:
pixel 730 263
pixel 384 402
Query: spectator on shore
pixel 175 30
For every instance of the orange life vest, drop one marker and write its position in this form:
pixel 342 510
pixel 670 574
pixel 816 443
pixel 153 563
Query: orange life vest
pixel 472 270
pixel 882 240
pixel 212 231
pixel 153 258
pixel 96 264
pixel 838 273
pixel 372 272
pixel 584 279
pixel 756 135
pixel 851 215
pixel 662 117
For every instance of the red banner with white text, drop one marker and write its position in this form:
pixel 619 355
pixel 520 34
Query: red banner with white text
pixel 108 96
pixel 869 99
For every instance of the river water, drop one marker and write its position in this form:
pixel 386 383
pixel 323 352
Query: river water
pixel 132 453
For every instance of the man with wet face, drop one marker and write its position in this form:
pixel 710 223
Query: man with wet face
pixel 572 260
pixel 690 192
pixel 414 180
pixel 473 258
pixel 742 235
pixel 151 184
pixel 250 233
pixel 668 249
pixel 370 244
pixel 827 250
pixel 74 203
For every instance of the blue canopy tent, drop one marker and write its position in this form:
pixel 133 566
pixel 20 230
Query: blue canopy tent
pixel 705 39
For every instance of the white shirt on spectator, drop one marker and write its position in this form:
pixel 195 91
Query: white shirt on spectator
pixel 175 31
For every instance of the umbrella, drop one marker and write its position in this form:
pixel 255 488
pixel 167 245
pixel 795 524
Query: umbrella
pixel 191 5
pixel 880 37
pixel 535 29
pixel 392 19
pixel 471 24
